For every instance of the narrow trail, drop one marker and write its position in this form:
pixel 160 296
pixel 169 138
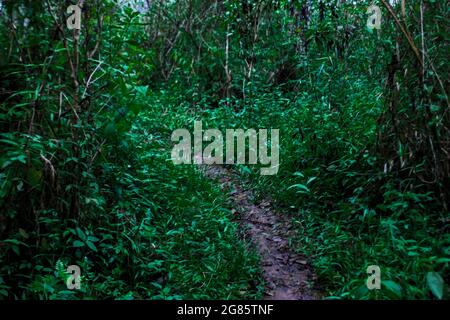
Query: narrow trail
pixel 287 274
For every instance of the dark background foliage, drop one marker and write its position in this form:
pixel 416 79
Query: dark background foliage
pixel 86 119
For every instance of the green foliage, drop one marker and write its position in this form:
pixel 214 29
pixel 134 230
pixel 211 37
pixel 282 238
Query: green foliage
pixel 85 125
pixel 86 178
pixel 162 232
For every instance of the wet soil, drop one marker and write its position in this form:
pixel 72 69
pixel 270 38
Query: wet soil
pixel 287 273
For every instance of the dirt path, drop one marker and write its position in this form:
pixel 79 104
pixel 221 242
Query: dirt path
pixel 287 274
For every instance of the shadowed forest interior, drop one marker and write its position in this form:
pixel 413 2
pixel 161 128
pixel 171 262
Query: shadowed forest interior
pixel 357 89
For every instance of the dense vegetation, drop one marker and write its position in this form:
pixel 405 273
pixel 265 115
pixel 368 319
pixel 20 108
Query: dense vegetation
pixel 86 119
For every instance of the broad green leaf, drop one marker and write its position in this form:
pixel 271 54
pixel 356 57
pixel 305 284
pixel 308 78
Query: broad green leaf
pixel 393 287
pixel 436 284
pixel 91 246
pixel 78 244
pixel 299 186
